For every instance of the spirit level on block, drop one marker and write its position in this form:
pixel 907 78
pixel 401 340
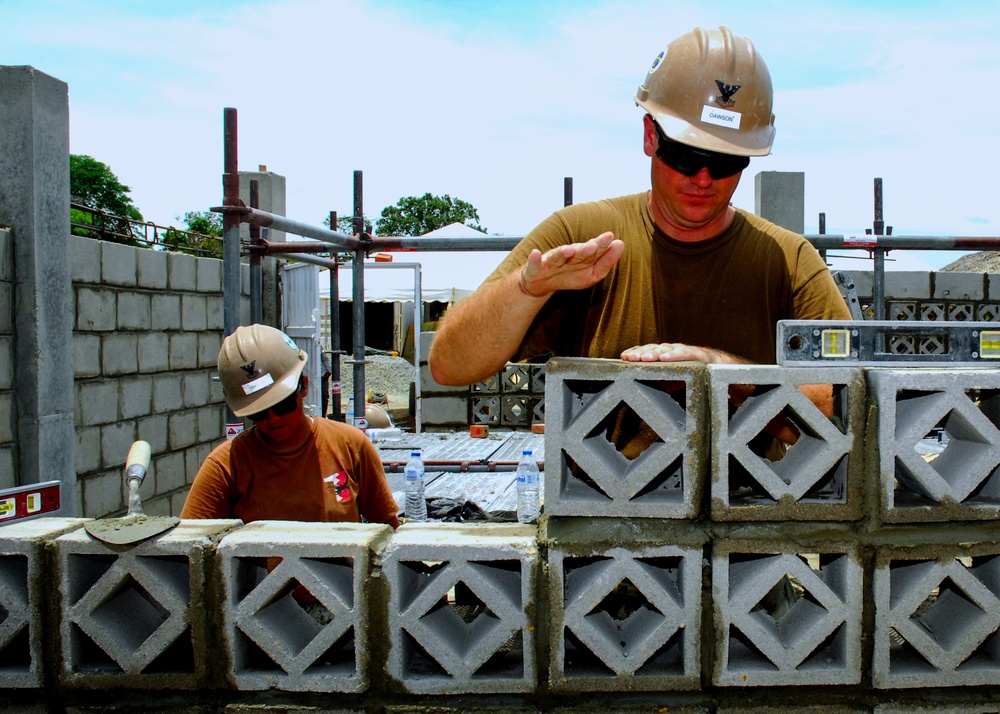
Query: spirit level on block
pixel 888 343
pixel 29 501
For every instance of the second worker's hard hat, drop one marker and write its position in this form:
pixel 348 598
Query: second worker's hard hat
pixel 711 89
pixel 259 366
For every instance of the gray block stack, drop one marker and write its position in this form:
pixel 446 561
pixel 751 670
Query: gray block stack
pixel 624 439
pixel 818 477
pixel 23 598
pixel 460 600
pixel 297 605
pixel 134 617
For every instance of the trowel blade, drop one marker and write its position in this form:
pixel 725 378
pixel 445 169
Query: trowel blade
pixel 129 529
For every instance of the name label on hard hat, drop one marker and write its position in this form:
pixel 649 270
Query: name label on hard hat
pixel 720 117
pixel 258 384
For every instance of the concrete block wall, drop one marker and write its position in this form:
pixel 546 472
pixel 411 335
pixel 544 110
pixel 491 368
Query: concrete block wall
pixel 513 398
pixel 933 296
pixel 889 602
pixel 8 423
pixel 147 329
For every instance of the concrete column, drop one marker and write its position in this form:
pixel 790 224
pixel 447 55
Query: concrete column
pixel 271 197
pixel 34 202
pixel 779 196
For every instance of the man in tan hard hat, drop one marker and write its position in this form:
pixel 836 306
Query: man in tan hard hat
pixel 673 273
pixel 287 466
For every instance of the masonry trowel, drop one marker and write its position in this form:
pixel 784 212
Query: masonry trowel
pixel 135 526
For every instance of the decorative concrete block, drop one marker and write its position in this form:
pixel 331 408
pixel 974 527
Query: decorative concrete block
pixel 938 443
pixel 25 595
pixel 461 601
pixel 756 477
pixel 787 617
pixel 625 619
pixel 272 640
pixel 937 616
pixel 624 439
pixel 133 618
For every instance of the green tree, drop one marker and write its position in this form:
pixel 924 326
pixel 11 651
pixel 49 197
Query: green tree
pixel 414 216
pixel 94 185
pixel 203 234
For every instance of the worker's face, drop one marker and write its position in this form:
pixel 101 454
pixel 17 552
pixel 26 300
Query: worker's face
pixel 282 421
pixel 682 203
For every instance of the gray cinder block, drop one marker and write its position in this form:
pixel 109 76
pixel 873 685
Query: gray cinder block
pixel 459 600
pixel 755 476
pixel 25 595
pixel 937 616
pixel 784 616
pixel 624 439
pixel 938 443
pixel 134 617
pixel 635 610
pixel 272 571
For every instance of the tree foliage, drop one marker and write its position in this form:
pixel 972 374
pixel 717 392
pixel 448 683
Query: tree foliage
pixel 345 224
pixel 414 216
pixel 203 234
pixel 93 184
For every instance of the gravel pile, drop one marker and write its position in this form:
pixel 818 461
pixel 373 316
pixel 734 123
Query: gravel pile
pixel 391 376
pixel 987 261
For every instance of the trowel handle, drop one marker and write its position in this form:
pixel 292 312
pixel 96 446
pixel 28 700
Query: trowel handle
pixel 137 462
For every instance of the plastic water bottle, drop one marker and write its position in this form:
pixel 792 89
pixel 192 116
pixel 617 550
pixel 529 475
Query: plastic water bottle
pixel 349 416
pixel 528 502
pixel 416 506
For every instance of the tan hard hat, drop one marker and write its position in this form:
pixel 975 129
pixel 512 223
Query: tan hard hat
pixel 259 366
pixel 711 89
pixel 378 418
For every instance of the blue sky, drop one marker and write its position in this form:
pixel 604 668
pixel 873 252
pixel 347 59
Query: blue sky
pixel 496 102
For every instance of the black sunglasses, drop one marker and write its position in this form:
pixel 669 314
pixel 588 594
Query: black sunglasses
pixel 283 408
pixel 688 160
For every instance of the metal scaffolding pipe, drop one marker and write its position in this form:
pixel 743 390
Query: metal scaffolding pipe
pixel 903 242
pixel 358 307
pixel 231 290
pixel 335 350
pixel 330 241
pixel 256 269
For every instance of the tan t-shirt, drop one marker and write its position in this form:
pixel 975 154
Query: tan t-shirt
pixel 334 475
pixel 725 293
